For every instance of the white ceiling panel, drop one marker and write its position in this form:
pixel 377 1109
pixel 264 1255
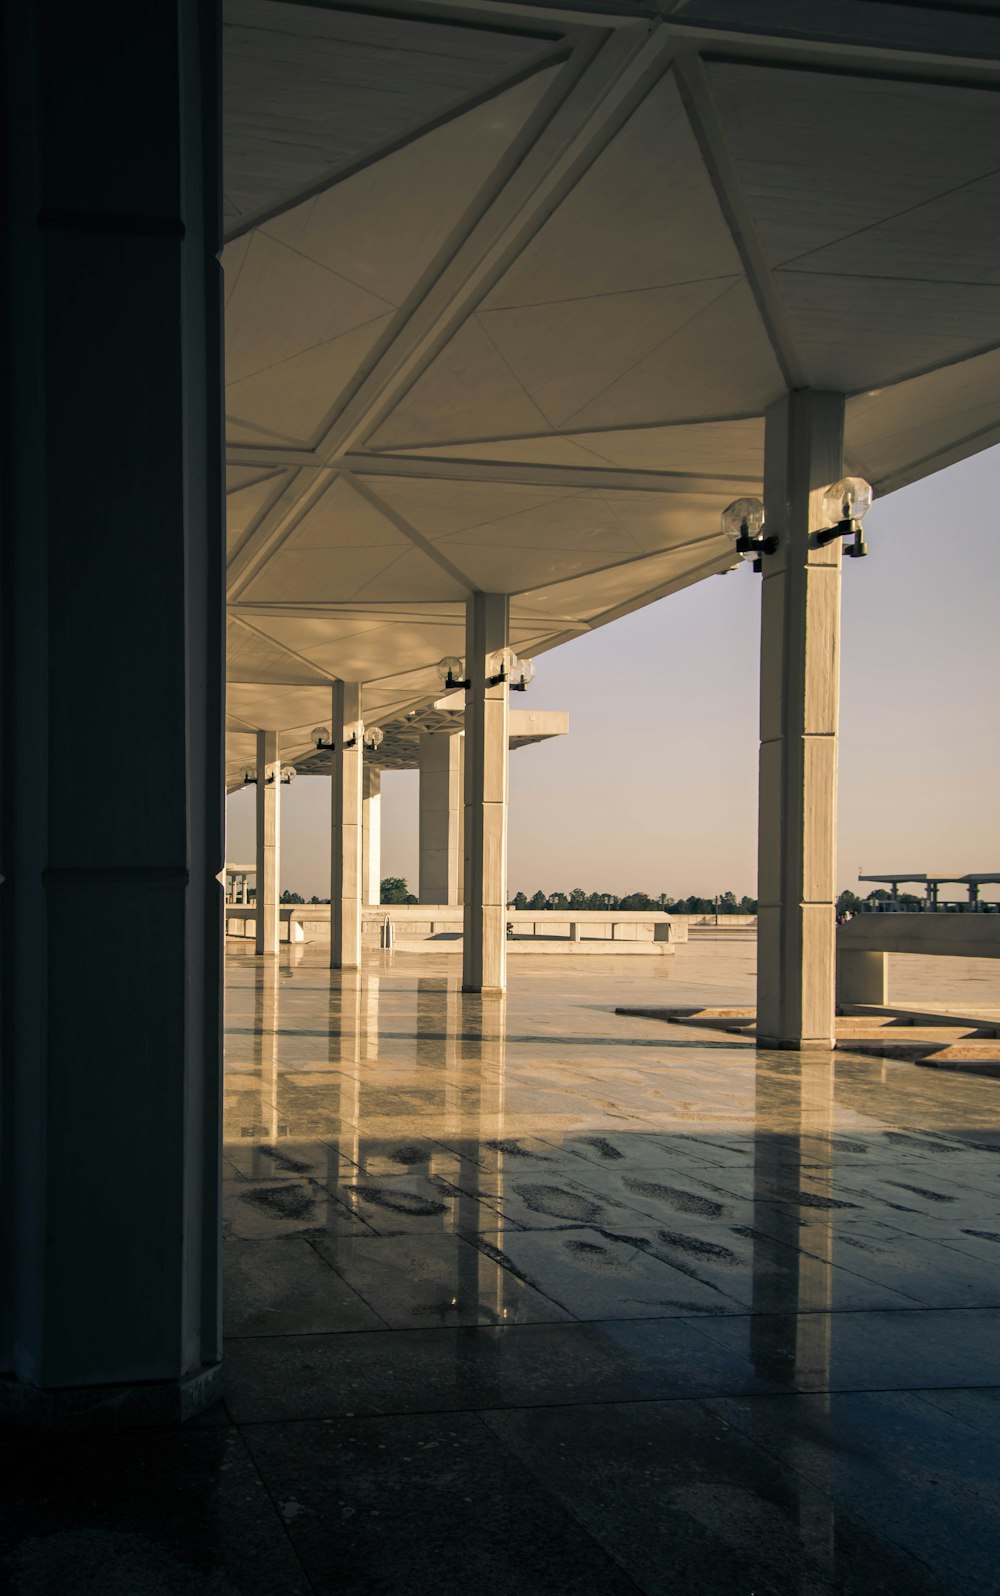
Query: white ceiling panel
pixel 577 523
pixel 856 333
pixel 552 450
pixel 823 156
pixel 724 448
pixel 284 304
pixel 292 398
pixel 567 354
pixel 952 239
pixel 588 597
pixel 247 499
pixel 644 215
pixel 902 431
pixel 278 707
pixel 413 577
pixel 344 519
pixel 439 508
pixel 301 575
pixel 664 520
pixel 720 361
pixel 469 391
pixel 308 89
pixel 252 657
pixel 383 227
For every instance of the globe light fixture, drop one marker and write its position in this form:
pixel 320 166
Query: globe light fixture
pixel 498 666
pixel 845 504
pixel 522 674
pixel 288 774
pixel 321 736
pixel 743 521
pixel 450 671
pixel 374 737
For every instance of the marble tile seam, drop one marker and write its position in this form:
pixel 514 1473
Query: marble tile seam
pixel 699 1322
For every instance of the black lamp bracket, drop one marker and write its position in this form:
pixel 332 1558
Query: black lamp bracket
pixel 849 527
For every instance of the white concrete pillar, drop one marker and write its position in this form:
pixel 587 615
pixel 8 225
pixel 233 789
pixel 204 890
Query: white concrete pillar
pixel 345 838
pixel 371 836
pixel 441 863
pixel 484 947
pixel 799 701
pixel 268 841
pixel 113 549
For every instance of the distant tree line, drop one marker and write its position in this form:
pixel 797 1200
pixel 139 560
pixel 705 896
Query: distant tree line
pixel 395 889
pixel 725 903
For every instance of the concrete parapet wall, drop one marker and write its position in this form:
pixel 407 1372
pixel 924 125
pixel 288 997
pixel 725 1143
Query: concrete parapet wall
pixel 418 925
pixel 966 936
pixel 864 944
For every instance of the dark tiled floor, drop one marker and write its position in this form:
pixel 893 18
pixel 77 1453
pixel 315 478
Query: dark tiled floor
pixel 526 1297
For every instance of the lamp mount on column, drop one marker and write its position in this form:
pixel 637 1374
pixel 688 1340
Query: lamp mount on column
pixel 505 666
pixel 743 521
pixel 370 736
pixel 249 774
pixel 450 671
pixel 846 503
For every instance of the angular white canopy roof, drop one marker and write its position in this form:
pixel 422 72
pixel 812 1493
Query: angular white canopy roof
pixel 508 289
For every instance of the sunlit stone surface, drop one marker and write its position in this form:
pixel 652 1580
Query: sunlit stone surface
pixel 524 1295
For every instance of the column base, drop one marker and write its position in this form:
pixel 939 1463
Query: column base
pixel 486 991
pixel 109 1407
pixel 797 1044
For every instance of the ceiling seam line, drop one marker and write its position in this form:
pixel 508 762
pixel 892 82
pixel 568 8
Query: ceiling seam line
pixel 263 541
pixel 611 293
pixel 321 343
pixel 336 175
pixel 415 538
pixel 710 136
pixel 622 565
pixel 567 432
pixel 292 653
pixel 649 353
pixel 529 214
pixel 883 221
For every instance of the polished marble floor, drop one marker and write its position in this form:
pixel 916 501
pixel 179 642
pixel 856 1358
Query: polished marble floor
pixel 525 1296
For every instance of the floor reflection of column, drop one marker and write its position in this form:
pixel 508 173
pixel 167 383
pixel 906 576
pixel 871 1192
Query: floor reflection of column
pixel 346 1047
pixel 491 1066
pixel 791 1330
pixel 265 1051
pixel 815 1276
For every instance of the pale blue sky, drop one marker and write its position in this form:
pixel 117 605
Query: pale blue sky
pixel 654 789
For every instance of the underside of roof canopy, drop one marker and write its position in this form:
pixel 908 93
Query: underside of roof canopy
pixel 510 287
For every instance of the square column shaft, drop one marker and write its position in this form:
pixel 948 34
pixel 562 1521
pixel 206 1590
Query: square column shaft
pixel 268 841
pixel 371 836
pixel 441 864
pixel 345 837
pixel 799 706
pixel 484 948
pixel 112 593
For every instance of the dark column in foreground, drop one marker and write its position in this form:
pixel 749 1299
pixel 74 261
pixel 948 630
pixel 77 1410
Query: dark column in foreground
pixel 112 819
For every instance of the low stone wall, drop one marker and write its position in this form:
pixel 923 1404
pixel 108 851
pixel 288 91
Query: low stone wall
pixel 438 927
